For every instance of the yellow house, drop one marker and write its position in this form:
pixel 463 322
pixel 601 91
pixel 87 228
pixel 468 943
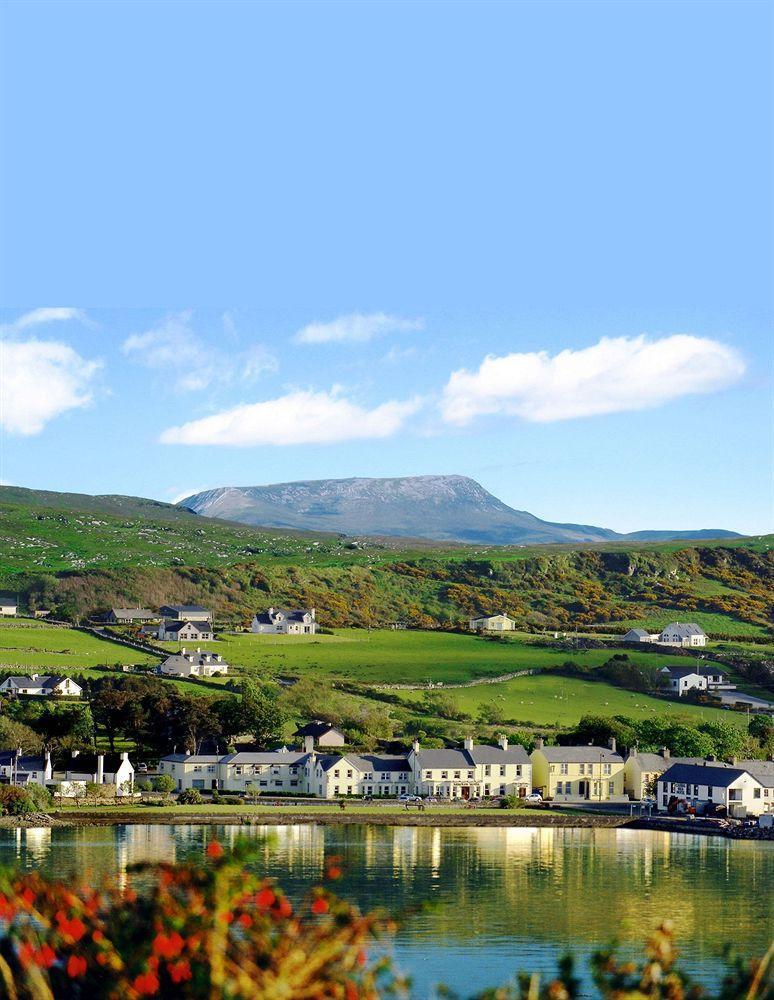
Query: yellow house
pixel 492 623
pixel 580 773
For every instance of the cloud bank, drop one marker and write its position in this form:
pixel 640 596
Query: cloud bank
pixel 355 327
pixel 613 376
pixel 301 417
pixel 40 380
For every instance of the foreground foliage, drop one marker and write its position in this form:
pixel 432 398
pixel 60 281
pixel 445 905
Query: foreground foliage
pixel 216 930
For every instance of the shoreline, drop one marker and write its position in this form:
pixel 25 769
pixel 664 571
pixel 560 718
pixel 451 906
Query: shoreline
pixel 286 817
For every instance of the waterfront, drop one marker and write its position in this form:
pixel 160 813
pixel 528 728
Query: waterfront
pixel 500 899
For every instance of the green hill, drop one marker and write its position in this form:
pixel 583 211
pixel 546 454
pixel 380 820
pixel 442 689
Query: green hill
pixel 78 555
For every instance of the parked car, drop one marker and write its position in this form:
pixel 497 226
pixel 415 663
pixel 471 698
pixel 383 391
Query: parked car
pixel 410 798
pixel 533 797
pixel 142 768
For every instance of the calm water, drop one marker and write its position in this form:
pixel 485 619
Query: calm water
pixel 505 899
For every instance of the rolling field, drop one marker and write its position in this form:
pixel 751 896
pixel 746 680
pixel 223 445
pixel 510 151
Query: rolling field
pixel 54 649
pixel 547 699
pixel 386 657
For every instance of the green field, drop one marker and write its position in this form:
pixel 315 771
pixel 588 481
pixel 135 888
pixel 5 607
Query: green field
pixel 549 699
pixel 60 650
pixel 383 656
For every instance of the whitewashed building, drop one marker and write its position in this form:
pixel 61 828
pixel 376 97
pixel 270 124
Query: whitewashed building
pixel 193 664
pixel 9 606
pixel 492 623
pixel 475 771
pixel 185 631
pixel 18 768
pixel 100 769
pixel 41 686
pixel 710 785
pixel 285 621
pixel 684 634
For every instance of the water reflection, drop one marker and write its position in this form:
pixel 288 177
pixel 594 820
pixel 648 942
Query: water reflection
pixel 504 898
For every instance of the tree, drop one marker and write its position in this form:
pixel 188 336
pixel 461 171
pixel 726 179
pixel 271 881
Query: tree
pixel 262 714
pixel 761 728
pixel 164 783
pixel 109 707
pixel 15 735
pixel 490 713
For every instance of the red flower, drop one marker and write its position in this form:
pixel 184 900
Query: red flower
pixel 334 872
pixel 146 984
pixel 246 920
pixel 180 972
pixel 320 906
pixel 45 957
pixel 284 908
pixel 264 899
pixel 28 896
pixel 214 850
pixel 76 966
pixel 168 947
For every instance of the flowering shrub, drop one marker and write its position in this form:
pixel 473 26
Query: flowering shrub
pixel 216 931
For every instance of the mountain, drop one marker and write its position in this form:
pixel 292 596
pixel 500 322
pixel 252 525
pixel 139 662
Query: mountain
pixel 443 508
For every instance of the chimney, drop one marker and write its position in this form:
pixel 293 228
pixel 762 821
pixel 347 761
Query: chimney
pixel 612 743
pixel 468 742
pixel 100 768
pixel 666 753
pixel 74 753
pixel 124 755
pixel 633 751
pixel 539 743
pixel 415 746
pixel 271 611
pixel 309 744
pixel 312 613
pixel 503 741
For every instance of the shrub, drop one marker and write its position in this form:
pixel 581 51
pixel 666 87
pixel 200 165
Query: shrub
pixel 510 802
pixel 14 801
pixel 40 798
pixel 164 783
pixel 190 797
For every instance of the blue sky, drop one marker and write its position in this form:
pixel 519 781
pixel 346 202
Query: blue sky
pixel 275 242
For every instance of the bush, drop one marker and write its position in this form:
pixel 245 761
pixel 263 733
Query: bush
pixel 40 798
pixel 510 802
pixel 190 797
pixel 14 801
pixel 164 783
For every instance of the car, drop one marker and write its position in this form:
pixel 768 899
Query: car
pixel 410 798
pixel 142 768
pixel 533 797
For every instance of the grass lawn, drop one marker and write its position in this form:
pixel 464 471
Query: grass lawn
pixel 352 807
pixel 710 621
pixel 61 650
pixel 550 699
pixel 383 656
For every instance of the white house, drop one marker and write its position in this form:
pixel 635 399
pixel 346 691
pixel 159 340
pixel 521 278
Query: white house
pixel 639 635
pixel 185 613
pixel 285 621
pixel 709 786
pixel 17 768
pixel 42 687
pixel 681 680
pixel 475 771
pixel 322 733
pixel 125 616
pixel 101 769
pixel 684 634
pixel 9 606
pixel 198 664
pixel 492 623
pixel 198 771
pixel 185 631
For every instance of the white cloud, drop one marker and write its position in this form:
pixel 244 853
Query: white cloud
pixel 191 364
pixel 300 417
pixel 356 327
pixel 36 317
pixel 615 375
pixel 39 380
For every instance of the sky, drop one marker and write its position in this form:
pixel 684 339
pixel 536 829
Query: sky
pixel 244 243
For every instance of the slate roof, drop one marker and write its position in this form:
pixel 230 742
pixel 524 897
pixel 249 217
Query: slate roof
pixel 134 613
pixel 45 683
pixel 761 770
pixel 179 626
pixel 654 761
pixel 86 763
pixel 366 762
pixel 578 755
pixel 684 629
pixel 317 729
pixel 704 671
pixel 193 758
pixel 291 757
pixel 480 754
pixel 716 775
pixel 291 615
pixel 183 609
pixel 638 631
pixel 26 762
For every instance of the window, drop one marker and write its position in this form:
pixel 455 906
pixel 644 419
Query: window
pixel 756 793
pixel 428 775
pixel 502 771
pixel 456 774
pixel 502 789
pixel 444 774
pixel 349 773
pixel 293 784
pixel 518 770
pixel 471 774
pixel 608 768
pixel 263 784
pixel 611 788
pixel 336 774
pixel 198 783
pixel 581 768
pixel 564 769
pixel 487 770
pixel 197 769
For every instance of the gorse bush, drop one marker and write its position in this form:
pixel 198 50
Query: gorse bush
pixel 215 930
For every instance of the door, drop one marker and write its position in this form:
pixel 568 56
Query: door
pixel 466 791
pixel 583 789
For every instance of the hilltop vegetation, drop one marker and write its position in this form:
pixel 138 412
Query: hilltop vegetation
pixel 78 560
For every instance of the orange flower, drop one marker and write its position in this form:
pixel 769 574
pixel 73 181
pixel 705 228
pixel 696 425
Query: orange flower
pixel 246 920
pixel 214 850
pixel 284 909
pixel 97 936
pixel 320 906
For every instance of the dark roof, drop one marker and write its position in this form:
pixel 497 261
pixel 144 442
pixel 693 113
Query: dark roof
pixel 685 629
pixel 366 762
pixel 480 754
pixel 637 631
pixel 317 729
pixel 702 671
pixel 86 763
pixel 25 762
pixel 581 754
pixel 179 626
pixel 291 757
pixel 134 613
pixel 703 774
pixel 185 608
pixel 291 614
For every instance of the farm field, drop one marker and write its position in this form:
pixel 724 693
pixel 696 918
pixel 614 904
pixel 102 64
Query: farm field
pixel 548 699
pixel 383 656
pixel 55 649
pixel 710 621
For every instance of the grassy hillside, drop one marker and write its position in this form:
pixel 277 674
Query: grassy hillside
pixel 81 555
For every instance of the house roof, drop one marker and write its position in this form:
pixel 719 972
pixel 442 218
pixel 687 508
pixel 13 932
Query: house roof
pixel 86 763
pixel 656 761
pixel 704 671
pixel 179 626
pixel 185 608
pixel 291 614
pixel 291 757
pixel 761 770
pixel 480 754
pixel 193 758
pixel 684 629
pixel 40 682
pixel 366 762
pixel 134 613
pixel 25 762
pixel 582 754
pixel 703 774
pixel 497 614
pixel 641 632
pixel 317 729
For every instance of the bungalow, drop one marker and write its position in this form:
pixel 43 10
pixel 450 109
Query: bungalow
pixel 101 769
pixel 285 621
pixel 684 634
pixel 709 786
pixel 185 631
pixel 9 606
pixel 578 773
pixel 198 664
pixel 17 768
pixel 185 613
pixel 680 680
pixel 639 635
pixel 41 687
pixel 323 734
pixel 125 616
pixel 492 623
pixel 472 772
